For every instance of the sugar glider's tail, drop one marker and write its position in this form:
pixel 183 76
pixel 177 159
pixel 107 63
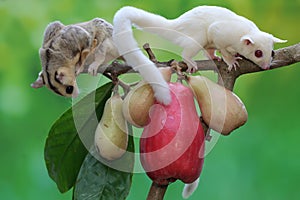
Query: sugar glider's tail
pixel 127 46
pixel 189 189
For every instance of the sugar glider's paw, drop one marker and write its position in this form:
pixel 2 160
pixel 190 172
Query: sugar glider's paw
pixel 78 71
pixel 192 66
pixel 93 69
pixel 192 69
pixel 162 94
pixel 232 62
pixel 234 66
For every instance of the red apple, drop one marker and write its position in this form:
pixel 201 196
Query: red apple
pixel 172 144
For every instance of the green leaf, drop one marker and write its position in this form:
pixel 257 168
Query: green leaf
pixel 100 179
pixel 71 135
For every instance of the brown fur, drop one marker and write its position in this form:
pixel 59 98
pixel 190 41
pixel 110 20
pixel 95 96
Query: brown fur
pixel 68 49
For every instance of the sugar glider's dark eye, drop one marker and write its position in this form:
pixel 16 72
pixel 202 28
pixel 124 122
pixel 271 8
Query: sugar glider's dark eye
pixel 69 89
pixel 273 54
pixel 258 53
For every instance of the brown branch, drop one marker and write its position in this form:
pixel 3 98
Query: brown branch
pixel 283 57
pixel 157 192
pixel 150 53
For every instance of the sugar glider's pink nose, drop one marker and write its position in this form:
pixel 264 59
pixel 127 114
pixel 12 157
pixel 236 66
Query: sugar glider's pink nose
pixel 266 66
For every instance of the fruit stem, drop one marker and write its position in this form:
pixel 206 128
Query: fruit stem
pixel 116 89
pixel 157 192
pixel 126 87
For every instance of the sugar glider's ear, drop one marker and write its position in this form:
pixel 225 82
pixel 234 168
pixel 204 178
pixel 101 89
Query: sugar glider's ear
pixel 85 52
pixel 39 81
pixel 277 40
pixel 246 39
pixel 51 30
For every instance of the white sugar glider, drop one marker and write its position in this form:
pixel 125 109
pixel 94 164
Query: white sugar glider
pixel 204 27
pixel 68 49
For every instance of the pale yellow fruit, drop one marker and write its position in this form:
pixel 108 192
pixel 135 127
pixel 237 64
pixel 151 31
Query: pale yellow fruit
pixel 221 109
pixel 166 72
pixel 139 100
pixel 111 136
pixel 137 104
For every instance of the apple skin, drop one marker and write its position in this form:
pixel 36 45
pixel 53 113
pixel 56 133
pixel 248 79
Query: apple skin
pixel 172 144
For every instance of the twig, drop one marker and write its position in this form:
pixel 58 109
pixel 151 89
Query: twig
pixel 125 87
pixel 150 53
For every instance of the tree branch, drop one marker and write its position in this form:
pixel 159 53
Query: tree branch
pixel 283 57
pixel 157 192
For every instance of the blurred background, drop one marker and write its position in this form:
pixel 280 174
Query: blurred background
pixel 261 160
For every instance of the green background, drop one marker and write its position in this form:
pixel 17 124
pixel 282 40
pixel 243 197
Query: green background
pixel 261 160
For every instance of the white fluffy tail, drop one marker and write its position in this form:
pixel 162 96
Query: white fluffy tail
pixel 189 189
pixel 128 48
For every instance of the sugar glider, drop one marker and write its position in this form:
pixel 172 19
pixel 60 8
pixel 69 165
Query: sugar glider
pixel 207 28
pixel 68 49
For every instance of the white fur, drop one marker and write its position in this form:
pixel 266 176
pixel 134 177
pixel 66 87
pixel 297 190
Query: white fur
pixel 189 189
pixel 204 27
pixel 128 48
